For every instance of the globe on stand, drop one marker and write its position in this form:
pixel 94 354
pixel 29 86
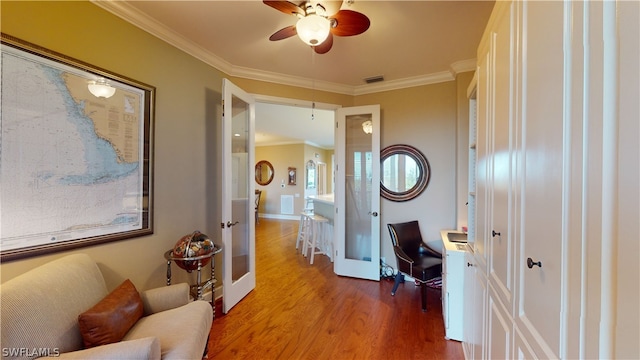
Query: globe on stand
pixel 193 245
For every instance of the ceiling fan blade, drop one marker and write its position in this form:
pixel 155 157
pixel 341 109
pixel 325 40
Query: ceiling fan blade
pixel 331 7
pixel 325 46
pixel 350 23
pixel 284 33
pixel 286 7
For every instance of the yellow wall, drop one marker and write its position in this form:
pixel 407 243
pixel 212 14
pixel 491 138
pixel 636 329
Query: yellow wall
pixel 289 92
pixel 188 92
pixel 282 157
pixel 187 128
pixel 424 117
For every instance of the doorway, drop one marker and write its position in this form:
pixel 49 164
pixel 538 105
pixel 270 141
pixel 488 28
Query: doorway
pixel 289 133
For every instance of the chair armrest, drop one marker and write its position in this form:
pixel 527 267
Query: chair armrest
pixel 426 250
pixel 401 255
pixel 165 298
pixel 145 348
pixel 405 263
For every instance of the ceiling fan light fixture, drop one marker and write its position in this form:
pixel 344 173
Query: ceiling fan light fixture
pixel 313 29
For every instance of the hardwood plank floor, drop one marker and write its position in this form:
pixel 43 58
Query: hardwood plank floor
pixel 302 311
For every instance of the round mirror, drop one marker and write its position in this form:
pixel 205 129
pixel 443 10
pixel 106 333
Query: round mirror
pixel 264 172
pixel 404 172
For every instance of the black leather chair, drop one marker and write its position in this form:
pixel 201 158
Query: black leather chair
pixel 414 257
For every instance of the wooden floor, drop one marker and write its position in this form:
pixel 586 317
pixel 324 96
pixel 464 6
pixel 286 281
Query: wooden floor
pixel 302 311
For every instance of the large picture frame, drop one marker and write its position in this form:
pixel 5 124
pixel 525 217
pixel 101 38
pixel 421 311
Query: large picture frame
pixel 76 165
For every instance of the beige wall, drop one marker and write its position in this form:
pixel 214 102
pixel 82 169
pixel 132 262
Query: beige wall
pixel 186 189
pixel 426 118
pixel 187 98
pixel 282 157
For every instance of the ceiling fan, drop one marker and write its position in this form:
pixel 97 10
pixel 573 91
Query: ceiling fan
pixel 318 22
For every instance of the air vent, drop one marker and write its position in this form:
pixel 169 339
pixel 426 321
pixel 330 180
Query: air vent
pixel 374 79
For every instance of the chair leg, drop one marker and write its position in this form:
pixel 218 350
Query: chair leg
pixel 316 238
pixel 423 290
pixel 300 237
pixel 399 279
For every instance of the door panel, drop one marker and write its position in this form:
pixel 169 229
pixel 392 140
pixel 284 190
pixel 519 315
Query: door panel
pixel 238 227
pixel 500 246
pixel 482 213
pixel 542 207
pixel 357 196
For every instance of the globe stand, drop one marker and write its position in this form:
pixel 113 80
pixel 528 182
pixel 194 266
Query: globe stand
pixel 196 290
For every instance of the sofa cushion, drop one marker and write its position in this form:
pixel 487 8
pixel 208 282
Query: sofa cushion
pixel 110 319
pixel 182 332
pixel 40 307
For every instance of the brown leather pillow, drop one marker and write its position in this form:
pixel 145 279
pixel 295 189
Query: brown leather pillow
pixel 109 320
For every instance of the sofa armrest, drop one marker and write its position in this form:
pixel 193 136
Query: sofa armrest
pixel 165 298
pixel 145 348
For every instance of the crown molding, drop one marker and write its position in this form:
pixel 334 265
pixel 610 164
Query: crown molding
pixel 389 85
pixel 293 142
pixel 155 28
pixel 291 80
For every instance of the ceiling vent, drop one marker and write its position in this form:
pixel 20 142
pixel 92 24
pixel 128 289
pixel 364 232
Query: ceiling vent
pixel 374 79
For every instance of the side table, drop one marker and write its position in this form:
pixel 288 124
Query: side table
pixel 198 288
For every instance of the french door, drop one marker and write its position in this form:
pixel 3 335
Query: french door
pixel 357 194
pixel 238 227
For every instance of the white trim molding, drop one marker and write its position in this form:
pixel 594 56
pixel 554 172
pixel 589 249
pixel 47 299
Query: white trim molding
pixel 137 18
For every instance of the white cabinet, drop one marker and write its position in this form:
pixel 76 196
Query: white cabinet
pixel 475 304
pixel 499 327
pixel 543 187
pixel 453 268
pixel 500 156
pixel 556 98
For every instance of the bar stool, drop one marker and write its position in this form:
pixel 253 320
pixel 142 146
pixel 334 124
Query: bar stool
pixel 308 205
pixel 304 228
pixel 328 239
pixel 317 239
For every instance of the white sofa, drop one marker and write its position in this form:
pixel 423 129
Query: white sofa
pixel 40 309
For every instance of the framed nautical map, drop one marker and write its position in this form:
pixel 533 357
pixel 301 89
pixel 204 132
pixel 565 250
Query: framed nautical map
pixel 76 164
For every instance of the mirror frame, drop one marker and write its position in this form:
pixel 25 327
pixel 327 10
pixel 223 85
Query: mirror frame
pixel 423 180
pixel 310 174
pixel 259 166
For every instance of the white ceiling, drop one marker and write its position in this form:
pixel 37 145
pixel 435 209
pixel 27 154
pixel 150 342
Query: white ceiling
pixel 409 43
pixel 278 124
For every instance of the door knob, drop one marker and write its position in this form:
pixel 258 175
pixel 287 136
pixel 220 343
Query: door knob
pixel 374 214
pixel 494 233
pixel 229 224
pixel 531 263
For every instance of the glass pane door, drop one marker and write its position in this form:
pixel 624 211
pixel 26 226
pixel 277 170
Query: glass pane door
pixel 358 192
pixel 237 197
